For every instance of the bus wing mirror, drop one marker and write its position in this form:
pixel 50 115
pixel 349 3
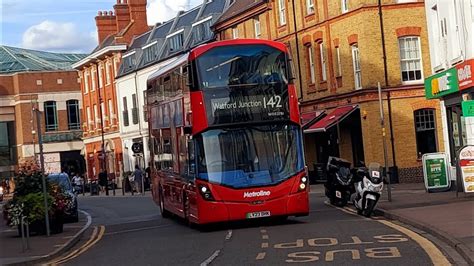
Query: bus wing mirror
pixel 188 130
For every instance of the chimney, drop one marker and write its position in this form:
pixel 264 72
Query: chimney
pixel 122 15
pixel 106 24
pixel 138 14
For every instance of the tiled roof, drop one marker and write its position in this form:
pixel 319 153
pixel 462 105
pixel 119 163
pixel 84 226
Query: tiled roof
pixel 158 45
pixel 239 7
pixel 13 59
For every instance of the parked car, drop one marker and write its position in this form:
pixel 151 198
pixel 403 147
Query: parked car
pixel 72 212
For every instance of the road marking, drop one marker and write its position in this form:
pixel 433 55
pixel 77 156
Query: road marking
pixel 436 256
pixel 136 229
pixel 229 235
pixel 263 231
pixel 265 245
pixel 96 237
pixel 211 258
pixel 261 256
pixel 433 252
pixel 265 237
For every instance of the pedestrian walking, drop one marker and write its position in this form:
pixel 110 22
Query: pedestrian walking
pixel 138 174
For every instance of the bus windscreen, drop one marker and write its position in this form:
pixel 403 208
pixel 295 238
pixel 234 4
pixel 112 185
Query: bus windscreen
pixel 249 157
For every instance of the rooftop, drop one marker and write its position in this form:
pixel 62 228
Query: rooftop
pixel 13 60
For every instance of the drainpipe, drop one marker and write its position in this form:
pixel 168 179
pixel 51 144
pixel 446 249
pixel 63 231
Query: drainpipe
pixel 385 71
pixel 297 51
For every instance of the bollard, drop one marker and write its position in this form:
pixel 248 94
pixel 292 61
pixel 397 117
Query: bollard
pixel 22 224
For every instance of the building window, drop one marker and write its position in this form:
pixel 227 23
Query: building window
pixel 108 73
pixel 94 79
pixel 86 81
pixel 256 22
pixel 96 115
pixel 176 42
pixel 235 32
pixel 356 65
pixel 111 111
pixel 425 128
pixel 282 12
pixel 50 116
pixel 339 66
pixel 323 62
pixel 344 6
pixel 309 7
pixel 312 73
pixel 102 112
pixel 410 58
pixel 145 109
pixel 125 112
pixel 59 81
pixel 116 62
pixel 101 79
pixel 73 119
pixel 89 118
pixel 202 30
pixel 134 109
pixel 150 53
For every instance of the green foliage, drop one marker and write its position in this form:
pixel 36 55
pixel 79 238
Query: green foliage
pixel 31 182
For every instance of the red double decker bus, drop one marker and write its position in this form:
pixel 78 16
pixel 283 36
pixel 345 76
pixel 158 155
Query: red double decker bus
pixel 226 142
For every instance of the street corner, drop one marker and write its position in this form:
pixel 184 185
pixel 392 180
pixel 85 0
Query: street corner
pixel 40 248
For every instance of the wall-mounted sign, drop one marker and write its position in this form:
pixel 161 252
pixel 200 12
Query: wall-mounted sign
pixel 442 84
pixel 465 74
pixel 435 172
pixel 468 108
pixel 466 166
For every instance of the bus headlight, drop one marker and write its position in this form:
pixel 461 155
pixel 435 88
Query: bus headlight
pixel 303 183
pixel 205 192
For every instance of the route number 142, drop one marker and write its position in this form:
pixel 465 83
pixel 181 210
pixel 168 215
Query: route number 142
pixel 273 102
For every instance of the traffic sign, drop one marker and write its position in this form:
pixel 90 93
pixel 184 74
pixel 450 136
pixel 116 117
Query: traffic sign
pixel 137 147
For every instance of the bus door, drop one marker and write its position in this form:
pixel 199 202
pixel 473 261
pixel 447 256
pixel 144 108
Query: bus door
pixel 166 173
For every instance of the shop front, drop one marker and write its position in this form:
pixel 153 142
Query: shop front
pixel 455 88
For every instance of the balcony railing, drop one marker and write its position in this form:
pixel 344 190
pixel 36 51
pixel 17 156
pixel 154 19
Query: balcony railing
pixel 62 136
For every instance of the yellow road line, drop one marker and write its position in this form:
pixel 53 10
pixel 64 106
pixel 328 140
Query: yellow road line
pixel 433 252
pixel 96 237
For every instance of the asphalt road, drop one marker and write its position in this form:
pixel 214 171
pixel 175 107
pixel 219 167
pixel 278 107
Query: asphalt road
pixel 129 231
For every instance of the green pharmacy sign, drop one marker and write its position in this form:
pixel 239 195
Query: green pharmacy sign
pixel 442 84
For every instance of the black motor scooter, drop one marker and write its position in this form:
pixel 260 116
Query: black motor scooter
pixel 339 185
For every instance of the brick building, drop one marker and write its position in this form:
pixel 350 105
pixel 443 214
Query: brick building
pixel 338 54
pixel 44 81
pixel 97 73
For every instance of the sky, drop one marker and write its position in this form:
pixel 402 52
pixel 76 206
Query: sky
pixel 68 25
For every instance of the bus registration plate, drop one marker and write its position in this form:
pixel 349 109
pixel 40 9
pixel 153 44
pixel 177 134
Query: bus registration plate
pixel 252 215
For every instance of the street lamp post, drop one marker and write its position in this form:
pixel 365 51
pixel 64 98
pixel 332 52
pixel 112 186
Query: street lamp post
pixel 43 178
pixel 103 154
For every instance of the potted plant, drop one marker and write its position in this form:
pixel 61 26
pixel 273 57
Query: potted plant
pixel 27 203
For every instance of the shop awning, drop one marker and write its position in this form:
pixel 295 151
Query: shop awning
pixel 332 119
pixel 310 118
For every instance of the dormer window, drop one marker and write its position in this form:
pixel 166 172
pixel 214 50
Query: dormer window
pixel 150 52
pixel 176 42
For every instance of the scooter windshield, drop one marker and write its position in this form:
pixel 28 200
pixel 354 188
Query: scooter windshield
pixel 375 173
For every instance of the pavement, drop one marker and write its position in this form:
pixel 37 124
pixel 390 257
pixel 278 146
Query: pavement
pixel 41 248
pixel 443 214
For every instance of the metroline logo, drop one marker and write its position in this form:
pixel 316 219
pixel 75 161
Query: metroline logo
pixel 254 194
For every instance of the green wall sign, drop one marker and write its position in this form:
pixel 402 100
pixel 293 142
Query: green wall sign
pixel 442 84
pixel 468 108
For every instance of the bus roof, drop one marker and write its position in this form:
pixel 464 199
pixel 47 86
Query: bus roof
pixel 198 51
